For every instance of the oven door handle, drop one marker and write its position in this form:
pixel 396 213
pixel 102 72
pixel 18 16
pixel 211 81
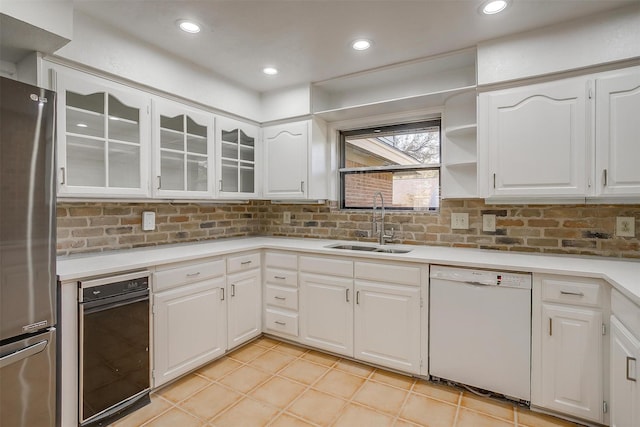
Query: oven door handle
pixel 113 302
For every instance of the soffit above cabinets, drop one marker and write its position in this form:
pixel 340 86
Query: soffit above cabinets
pixel 309 41
pixel 26 27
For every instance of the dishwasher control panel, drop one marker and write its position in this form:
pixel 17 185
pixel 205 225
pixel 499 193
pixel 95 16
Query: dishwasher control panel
pixel 476 277
pixel 514 280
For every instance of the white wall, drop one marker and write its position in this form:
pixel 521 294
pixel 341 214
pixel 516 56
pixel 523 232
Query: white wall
pixel 284 103
pixel 607 37
pixel 101 47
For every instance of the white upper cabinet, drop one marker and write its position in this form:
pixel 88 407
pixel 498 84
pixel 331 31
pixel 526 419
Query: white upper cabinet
pixel 103 139
pixel 286 160
pixel 534 138
pixel 238 159
pixel 296 160
pixel 618 134
pixel 183 151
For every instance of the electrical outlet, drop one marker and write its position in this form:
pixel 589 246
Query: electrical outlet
pixel 148 221
pixel 459 221
pixel 488 222
pixel 286 218
pixel 625 226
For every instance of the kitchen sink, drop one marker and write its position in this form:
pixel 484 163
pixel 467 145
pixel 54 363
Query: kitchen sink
pixel 364 248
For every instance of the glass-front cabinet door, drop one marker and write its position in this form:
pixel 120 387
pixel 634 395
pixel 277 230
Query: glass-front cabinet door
pixel 237 165
pixel 183 155
pixel 103 140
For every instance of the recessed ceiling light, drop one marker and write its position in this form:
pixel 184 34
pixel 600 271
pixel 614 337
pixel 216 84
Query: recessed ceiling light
pixel 494 6
pixel 188 26
pixel 361 44
pixel 270 71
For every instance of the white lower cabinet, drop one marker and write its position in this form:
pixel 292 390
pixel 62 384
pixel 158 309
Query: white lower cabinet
pixel 625 362
pixel 199 313
pixel 245 301
pixel 387 325
pixel 244 290
pixel 568 346
pixel 281 294
pixel 326 312
pixel 190 328
pixel 625 376
pixel 377 318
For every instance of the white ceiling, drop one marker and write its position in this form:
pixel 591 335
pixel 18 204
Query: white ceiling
pixel 309 40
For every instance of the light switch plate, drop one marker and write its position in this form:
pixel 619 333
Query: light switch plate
pixel 148 221
pixel 488 222
pixel 459 221
pixel 625 226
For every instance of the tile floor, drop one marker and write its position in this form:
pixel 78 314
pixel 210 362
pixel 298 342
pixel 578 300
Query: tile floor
pixel 269 382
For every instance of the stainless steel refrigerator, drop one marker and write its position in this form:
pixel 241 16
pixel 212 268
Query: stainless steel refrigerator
pixel 27 256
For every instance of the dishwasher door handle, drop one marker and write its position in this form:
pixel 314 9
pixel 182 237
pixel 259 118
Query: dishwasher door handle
pixel 468 282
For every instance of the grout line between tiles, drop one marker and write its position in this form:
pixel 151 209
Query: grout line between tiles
pixel 458 406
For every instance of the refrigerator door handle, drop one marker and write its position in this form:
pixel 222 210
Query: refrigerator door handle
pixel 22 354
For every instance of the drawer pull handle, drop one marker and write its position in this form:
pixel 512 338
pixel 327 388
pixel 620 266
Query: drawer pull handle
pixel 577 294
pixel 277 322
pixel 358 297
pixel 280 298
pixel 279 277
pixel 222 294
pixel 245 263
pixel 550 326
pixel 347 294
pixel 630 359
pixel 233 290
pixel 197 273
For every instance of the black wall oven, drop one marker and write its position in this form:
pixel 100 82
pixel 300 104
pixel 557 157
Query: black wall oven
pixel 114 335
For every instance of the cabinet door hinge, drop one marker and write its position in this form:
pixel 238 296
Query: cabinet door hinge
pixel 604 329
pixel 605 407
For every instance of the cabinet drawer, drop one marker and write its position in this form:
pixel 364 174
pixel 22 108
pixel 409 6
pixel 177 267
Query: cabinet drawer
pixel 388 273
pixel 281 297
pixel 285 323
pixel 243 262
pixel 166 279
pixel 281 260
pixel 626 311
pixel 281 277
pixel 326 266
pixel 576 291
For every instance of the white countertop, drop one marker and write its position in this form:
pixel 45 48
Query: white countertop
pixel 624 275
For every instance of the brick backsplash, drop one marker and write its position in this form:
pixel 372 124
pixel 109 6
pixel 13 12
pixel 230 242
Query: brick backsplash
pixel 566 229
pixel 97 227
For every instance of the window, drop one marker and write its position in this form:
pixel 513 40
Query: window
pixel 402 162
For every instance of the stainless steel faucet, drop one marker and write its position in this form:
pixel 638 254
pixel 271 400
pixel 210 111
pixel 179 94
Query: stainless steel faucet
pixel 379 227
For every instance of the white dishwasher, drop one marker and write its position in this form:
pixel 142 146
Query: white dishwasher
pixel 480 329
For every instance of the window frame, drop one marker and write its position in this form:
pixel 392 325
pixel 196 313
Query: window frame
pixel 385 129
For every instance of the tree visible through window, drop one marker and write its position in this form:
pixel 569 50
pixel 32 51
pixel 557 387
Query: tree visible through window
pixel 402 162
